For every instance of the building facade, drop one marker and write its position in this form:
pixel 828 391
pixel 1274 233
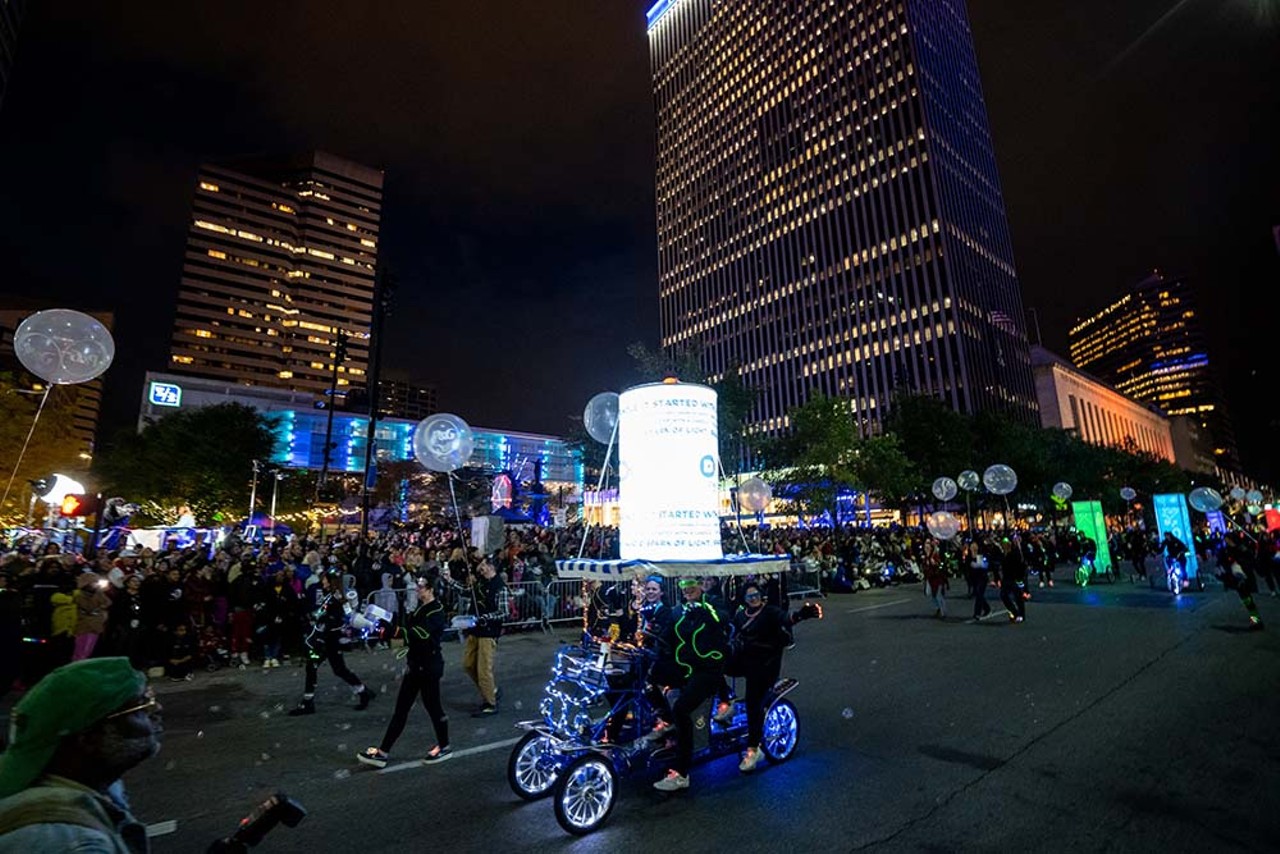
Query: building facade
pixel 10 18
pixel 1149 345
pixel 400 399
pixel 828 206
pixel 1072 400
pixel 280 260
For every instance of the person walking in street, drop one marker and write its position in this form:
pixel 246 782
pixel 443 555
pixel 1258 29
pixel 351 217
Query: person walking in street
pixel 1013 577
pixel 324 644
pixel 421 630
pixel 935 578
pixel 975 566
pixel 482 640
pixel 75 734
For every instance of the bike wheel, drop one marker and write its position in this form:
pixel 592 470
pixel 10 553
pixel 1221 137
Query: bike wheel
pixel 585 794
pixel 781 731
pixel 532 769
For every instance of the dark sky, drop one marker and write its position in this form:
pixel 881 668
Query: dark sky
pixel 517 139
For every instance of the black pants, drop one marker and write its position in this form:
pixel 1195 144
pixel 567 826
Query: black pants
pixel 1011 596
pixel 424 682
pixel 759 678
pixel 978 581
pixel 698 688
pixel 332 655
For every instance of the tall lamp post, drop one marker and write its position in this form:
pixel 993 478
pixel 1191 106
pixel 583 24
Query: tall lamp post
pixel 384 288
pixel 339 356
pixel 253 492
pixel 275 489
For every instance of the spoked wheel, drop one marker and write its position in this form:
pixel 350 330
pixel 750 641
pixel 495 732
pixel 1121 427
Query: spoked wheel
pixel 533 767
pixel 781 731
pixel 585 793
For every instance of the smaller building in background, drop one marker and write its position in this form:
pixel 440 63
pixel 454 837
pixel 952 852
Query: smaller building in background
pixel 1072 400
pixel 164 394
pixel 400 399
pixel 1192 445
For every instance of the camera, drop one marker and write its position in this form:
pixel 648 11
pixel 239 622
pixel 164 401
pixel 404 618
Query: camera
pixel 277 809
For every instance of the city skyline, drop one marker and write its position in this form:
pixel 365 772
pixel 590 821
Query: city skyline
pixel 829 209
pixel 520 202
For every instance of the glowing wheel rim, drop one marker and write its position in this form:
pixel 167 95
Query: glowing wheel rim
pixel 533 774
pixel 588 794
pixel 781 731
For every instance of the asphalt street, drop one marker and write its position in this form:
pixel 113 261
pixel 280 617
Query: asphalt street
pixel 1114 719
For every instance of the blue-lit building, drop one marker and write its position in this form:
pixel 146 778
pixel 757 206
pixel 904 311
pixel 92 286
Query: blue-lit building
pixel 301 426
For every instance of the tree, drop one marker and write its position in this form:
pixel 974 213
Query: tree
pixel 937 440
pixel 201 457
pixel 813 464
pixel 52 447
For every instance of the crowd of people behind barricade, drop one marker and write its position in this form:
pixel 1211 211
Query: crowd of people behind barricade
pixel 173 611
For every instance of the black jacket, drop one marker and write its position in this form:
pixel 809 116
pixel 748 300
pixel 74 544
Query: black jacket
pixel 422 628
pixel 487 596
pixel 697 639
pixel 760 637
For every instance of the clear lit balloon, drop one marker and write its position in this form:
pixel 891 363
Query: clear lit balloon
pixel 1254 509
pixel 942 524
pixel 999 479
pixel 601 416
pixel 944 489
pixel 1128 493
pixel 1237 493
pixel 443 442
pixel 755 494
pixel 1063 490
pixel 1205 499
pixel 968 480
pixel 63 347
pixel 1254 496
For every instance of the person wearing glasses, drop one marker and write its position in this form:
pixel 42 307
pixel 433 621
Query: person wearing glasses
pixel 75 734
pixel 761 633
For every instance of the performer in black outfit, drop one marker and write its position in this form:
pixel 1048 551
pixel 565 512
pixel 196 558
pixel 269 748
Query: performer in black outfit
pixel 322 644
pixel 761 633
pixel 422 629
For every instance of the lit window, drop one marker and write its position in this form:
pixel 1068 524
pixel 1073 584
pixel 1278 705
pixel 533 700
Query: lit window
pixel 217 253
pixel 205 185
pixel 183 360
pixel 285 375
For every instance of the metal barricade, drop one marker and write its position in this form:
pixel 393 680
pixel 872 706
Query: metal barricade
pixel 803 580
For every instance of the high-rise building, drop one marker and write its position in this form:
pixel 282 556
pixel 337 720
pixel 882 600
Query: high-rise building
pixel 280 259
pixel 400 399
pixel 829 210
pixel 10 18
pixel 1149 345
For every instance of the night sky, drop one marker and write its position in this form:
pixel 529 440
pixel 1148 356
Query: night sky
pixel 517 140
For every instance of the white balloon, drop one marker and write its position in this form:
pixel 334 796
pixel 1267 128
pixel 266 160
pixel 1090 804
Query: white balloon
pixel 968 480
pixel 1254 496
pixel 944 489
pixel 63 347
pixel 1063 490
pixel 443 442
pixel 1237 493
pixel 755 494
pixel 999 479
pixel 942 524
pixel 1128 493
pixel 1205 499
pixel 601 416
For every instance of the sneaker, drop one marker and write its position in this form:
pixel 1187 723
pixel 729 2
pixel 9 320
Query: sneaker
pixel 373 756
pixel 673 782
pixel 1018 619
pixel 438 754
pixel 1041 584
pixel 189 677
pixel 485 711
pixel 364 697
pixel 304 707
pixel 660 731
pixel 750 760
pixel 724 714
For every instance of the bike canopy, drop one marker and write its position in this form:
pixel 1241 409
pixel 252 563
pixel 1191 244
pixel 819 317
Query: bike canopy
pixel 614 570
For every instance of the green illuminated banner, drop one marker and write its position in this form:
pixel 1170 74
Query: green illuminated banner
pixel 1091 523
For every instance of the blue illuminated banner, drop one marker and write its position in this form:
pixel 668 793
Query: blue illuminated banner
pixel 658 10
pixel 165 394
pixel 1172 517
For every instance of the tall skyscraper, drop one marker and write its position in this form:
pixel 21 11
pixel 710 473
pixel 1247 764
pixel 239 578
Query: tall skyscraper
pixel 10 17
pixel 1149 345
pixel 829 212
pixel 280 259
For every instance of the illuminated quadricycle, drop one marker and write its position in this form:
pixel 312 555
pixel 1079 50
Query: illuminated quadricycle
pixel 595 714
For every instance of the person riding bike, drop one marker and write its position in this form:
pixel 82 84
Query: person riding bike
pixel 1175 561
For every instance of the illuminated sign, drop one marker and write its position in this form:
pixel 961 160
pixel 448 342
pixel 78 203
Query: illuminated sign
pixel 1172 517
pixel 658 10
pixel 165 394
pixel 1091 522
pixel 668 473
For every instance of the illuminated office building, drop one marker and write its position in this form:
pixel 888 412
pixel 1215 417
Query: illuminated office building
pixel 400 399
pixel 280 258
pixel 10 18
pixel 829 210
pixel 1148 344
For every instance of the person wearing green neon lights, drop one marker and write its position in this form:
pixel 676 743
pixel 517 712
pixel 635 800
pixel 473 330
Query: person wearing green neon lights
pixel 697 639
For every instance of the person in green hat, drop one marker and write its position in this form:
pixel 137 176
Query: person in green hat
pixel 73 736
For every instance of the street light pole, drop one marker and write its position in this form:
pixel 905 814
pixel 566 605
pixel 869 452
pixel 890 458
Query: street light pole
pixel 253 493
pixel 275 488
pixel 339 356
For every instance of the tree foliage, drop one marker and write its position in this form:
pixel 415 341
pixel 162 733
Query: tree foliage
pixel 200 457
pixel 52 447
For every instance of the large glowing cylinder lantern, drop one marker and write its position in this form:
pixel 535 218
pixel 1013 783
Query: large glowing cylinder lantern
pixel 668 473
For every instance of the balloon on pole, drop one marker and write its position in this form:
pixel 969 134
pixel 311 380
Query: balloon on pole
pixel 999 479
pixel 1205 499
pixel 600 418
pixel 943 525
pixel 64 347
pixel 968 480
pixel 443 442
pixel 1062 490
pixel 944 489
pixel 1237 493
pixel 755 494
pixel 1253 496
pixel 1128 493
